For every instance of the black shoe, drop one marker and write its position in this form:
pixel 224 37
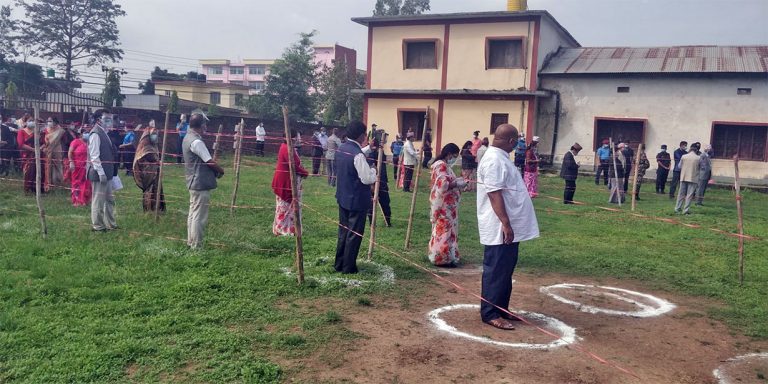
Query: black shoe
pixel 567 202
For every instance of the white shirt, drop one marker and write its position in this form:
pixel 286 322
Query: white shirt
pixel 409 153
pixel 481 152
pixel 198 148
pixel 497 172
pixel 323 138
pixel 94 151
pixel 366 173
pixel 333 145
pixel 261 133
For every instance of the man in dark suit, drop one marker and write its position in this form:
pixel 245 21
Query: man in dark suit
pixel 384 201
pixel 569 172
pixel 353 194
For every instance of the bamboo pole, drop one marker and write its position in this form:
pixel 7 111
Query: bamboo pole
pixel 416 182
pixel 634 176
pixel 616 171
pixel 739 210
pixel 217 143
pixel 237 137
pixel 38 177
pixel 295 201
pixel 238 153
pixel 379 162
pixel 162 161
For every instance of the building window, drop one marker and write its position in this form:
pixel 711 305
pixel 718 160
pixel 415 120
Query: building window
pixel 257 85
pixel 744 91
pixel 420 54
pixel 747 141
pixel 257 69
pixel 622 89
pixel 498 119
pixel 236 82
pixel 168 93
pixel 620 130
pixel 504 53
pixel 413 121
pixel 235 70
pixel 215 98
pixel 215 71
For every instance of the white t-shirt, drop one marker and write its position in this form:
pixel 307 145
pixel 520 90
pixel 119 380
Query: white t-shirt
pixel 497 172
pixel 198 148
pixel 261 133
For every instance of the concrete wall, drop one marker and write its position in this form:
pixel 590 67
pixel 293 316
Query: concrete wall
pixel 384 112
pixel 676 109
pixel 462 117
pixel 551 39
pixel 387 58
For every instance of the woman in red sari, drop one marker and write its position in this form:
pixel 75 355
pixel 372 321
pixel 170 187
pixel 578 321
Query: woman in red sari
pixel 284 223
pixel 77 160
pixel 26 142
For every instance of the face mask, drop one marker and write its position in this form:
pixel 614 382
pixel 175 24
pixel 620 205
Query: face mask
pixel 107 121
pixel 663 150
pixel 452 162
pixel 605 145
pixel 684 148
pixel 153 138
pixel 50 124
pixel 86 136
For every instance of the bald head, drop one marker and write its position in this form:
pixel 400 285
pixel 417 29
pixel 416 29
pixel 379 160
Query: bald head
pixel 505 137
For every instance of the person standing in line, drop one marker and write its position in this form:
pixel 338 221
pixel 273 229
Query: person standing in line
pixel 616 171
pixel 373 159
pixel 629 161
pixel 324 144
pixel 77 157
pixel 444 209
pixel 317 153
pixel 284 223
pixel 397 148
pixel 689 179
pixel 505 218
pixel 330 156
pixel 261 138
pixel 604 156
pixel 663 163
pixel 181 128
pixel 642 167
pixel 25 140
pixel 146 168
pixel 520 155
pixel 410 158
pixel 468 166
pixel 678 155
pixel 128 149
pixel 570 172
pixel 427 148
pixel 7 147
pixel 102 166
pixel 201 172
pixel 53 155
pixel 532 168
pixel 482 149
pixel 705 174
pixel 353 195
pixel 475 143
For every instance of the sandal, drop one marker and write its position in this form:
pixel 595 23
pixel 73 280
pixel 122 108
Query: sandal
pixel 512 317
pixel 501 324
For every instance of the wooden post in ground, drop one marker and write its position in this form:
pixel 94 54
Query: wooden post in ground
pixel 379 161
pixel 238 152
pixel 162 161
pixel 38 177
pixel 294 201
pixel 634 176
pixel 739 210
pixel 237 137
pixel 416 182
pixel 616 171
pixel 217 143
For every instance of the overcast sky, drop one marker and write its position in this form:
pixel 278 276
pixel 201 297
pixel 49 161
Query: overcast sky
pixel 235 29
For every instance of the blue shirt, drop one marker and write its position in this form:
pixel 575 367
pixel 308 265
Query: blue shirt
pixel 129 137
pixel 182 129
pixel 397 147
pixel 521 146
pixel 604 153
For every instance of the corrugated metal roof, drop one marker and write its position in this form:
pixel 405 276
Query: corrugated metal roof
pixel 685 59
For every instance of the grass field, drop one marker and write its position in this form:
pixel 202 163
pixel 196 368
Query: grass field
pixel 134 305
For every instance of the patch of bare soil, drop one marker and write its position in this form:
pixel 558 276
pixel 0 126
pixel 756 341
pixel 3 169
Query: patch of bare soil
pixel 401 345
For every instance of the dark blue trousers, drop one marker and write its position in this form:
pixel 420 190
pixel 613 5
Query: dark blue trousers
pixel 499 263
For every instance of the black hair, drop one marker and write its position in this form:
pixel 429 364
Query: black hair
pixel 197 121
pixel 448 149
pixel 683 143
pixel 99 113
pixel 355 129
pixel 467 145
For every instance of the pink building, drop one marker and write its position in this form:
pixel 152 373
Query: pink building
pixel 329 55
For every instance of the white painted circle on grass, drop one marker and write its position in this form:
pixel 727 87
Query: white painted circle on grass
pixel 658 307
pixel 722 377
pixel 386 275
pixel 568 333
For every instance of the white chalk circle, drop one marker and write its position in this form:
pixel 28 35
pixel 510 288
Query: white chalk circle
pixel 658 307
pixel 385 275
pixel 722 375
pixel 568 333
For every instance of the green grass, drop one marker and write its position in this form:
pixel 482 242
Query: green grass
pixel 136 306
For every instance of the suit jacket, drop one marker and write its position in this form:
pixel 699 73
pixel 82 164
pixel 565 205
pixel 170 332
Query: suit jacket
pixel 689 167
pixel 570 169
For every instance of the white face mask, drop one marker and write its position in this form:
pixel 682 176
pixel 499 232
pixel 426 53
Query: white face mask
pixel 452 161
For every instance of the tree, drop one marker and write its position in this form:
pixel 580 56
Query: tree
pixel 29 76
pixel 7 37
pixel 400 7
pixel 164 75
pixel 111 94
pixel 290 79
pixel 173 105
pixel 147 88
pixel 335 85
pixel 10 94
pixel 259 105
pixel 213 110
pixel 73 30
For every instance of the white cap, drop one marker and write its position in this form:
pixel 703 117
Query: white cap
pixel 536 138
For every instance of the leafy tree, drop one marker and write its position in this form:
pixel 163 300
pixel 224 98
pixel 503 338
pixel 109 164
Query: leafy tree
pixel 259 105
pixel 213 110
pixel 163 74
pixel 290 79
pixel 7 43
pixel 194 76
pixel 73 30
pixel 111 94
pixel 29 76
pixel 10 94
pixel 147 88
pixel 334 92
pixel 400 7
pixel 173 105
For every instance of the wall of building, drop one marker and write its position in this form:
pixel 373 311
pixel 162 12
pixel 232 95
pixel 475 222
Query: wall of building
pixel 462 117
pixel 551 38
pixel 384 113
pixel 676 109
pixel 387 58
pixel 202 93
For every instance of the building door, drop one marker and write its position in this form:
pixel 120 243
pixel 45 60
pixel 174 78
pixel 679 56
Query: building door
pixel 619 130
pixel 412 119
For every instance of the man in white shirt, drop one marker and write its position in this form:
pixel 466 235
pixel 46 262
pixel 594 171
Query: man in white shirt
pixel 261 137
pixel 505 217
pixel 410 159
pixel 330 156
pixel 101 168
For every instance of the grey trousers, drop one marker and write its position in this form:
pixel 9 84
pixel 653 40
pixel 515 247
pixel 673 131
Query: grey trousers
pixel 199 202
pixel 686 192
pixel 703 182
pixel 102 206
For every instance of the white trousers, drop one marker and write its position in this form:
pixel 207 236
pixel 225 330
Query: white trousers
pixel 199 202
pixel 102 206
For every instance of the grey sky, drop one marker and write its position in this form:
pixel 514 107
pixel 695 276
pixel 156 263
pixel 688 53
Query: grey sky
pixel 235 29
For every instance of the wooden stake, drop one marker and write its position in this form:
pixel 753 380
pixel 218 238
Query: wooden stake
pixel 739 210
pixel 416 182
pixel 634 177
pixel 38 177
pixel 162 161
pixel 238 153
pixel 295 201
pixel 238 136
pixel 217 143
pixel 379 162
pixel 616 171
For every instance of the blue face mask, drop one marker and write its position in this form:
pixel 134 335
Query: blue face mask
pixel 452 162
pixel 86 136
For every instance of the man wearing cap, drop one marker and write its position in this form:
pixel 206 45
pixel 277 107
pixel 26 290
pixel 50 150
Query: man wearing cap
pixel 570 172
pixel 409 161
pixel 397 148
pixel 604 156
pixel 201 173
pixel 705 174
pixel 520 154
pixel 663 162
pixel 353 194
pixel 629 157
pixel 678 155
pixel 689 178
pixel 101 168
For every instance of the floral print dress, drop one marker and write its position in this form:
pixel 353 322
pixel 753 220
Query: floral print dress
pixel 444 216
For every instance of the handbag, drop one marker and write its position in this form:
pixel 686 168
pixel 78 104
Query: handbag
pixel 117 184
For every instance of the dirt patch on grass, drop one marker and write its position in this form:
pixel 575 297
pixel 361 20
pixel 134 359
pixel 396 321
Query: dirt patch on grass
pixel 403 346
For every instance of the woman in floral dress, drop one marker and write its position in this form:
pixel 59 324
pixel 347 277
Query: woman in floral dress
pixel 284 223
pixel 444 209
pixel 532 168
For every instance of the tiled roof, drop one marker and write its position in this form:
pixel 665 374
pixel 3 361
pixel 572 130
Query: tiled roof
pixel 684 59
